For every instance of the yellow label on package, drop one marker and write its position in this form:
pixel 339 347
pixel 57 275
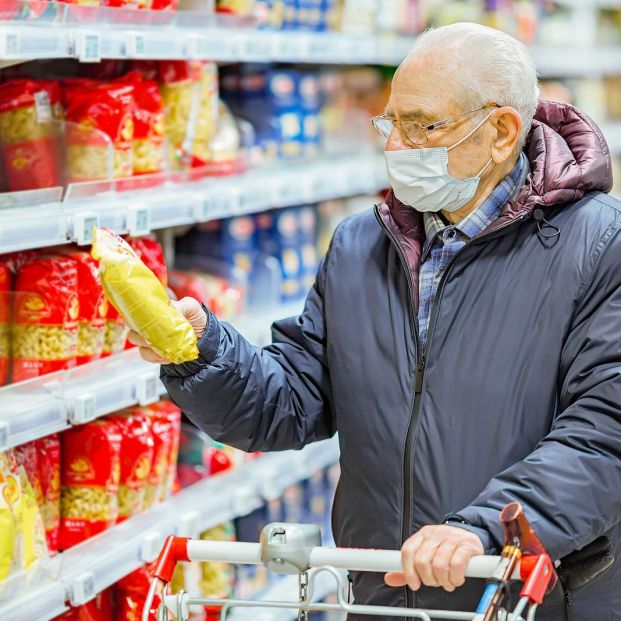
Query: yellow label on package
pixel 140 298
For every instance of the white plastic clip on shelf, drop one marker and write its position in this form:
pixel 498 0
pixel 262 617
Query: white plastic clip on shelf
pixel 99 562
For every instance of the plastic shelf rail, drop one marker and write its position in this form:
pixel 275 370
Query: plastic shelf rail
pixel 46 221
pixel 77 575
pixel 53 402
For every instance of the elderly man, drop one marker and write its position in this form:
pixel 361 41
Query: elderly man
pixel 462 338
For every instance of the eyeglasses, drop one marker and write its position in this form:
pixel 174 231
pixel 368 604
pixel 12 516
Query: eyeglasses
pixel 415 133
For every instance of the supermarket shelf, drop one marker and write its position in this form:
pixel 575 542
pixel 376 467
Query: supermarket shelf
pixel 577 61
pixel 86 569
pixel 24 226
pixel 49 404
pixel 90 34
pixel 283 590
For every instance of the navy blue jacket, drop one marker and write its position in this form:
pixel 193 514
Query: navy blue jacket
pixel 517 395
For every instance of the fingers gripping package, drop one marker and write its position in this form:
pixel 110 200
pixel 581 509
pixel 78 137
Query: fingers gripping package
pixel 141 299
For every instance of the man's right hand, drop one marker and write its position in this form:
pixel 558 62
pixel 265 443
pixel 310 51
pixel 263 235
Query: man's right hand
pixel 192 310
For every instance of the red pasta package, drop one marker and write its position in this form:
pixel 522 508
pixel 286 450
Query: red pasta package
pixel 170 413
pixel 162 433
pixel 136 461
pixel 100 131
pixel 101 608
pixel 93 308
pixel 90 480
pixel 48 449
pixel 5 321
pixel 152 255
pixel 30 115
pixel 131 595
pixel 148 145
pixel 45 329
pixel 27 457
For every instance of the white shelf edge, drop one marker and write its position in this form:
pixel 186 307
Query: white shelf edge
pixel 116 552
pixel 281 185
pixel 21 41
pixel 38 410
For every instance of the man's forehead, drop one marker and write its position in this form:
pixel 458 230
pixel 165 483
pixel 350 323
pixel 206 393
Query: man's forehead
pixel 419 92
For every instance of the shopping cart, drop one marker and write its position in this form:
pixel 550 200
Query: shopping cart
pixel 295 549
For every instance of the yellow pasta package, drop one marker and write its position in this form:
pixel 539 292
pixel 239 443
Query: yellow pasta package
pixel 10 497
pixel 140 298
pixel 30 526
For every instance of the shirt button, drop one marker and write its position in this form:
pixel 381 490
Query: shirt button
pixel 450 233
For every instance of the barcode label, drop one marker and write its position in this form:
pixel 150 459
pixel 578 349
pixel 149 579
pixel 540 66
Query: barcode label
pixel 88 47
pixel 43 106
pixel 11 44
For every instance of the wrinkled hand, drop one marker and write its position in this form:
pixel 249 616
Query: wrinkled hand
pixel 192 310
pixel 436 556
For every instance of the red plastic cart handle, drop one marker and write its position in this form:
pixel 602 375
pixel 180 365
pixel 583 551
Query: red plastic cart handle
pixel 175 550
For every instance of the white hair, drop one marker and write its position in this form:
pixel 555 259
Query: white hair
pixel 489 66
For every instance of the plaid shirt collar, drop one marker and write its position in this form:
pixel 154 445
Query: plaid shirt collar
pixel 488 211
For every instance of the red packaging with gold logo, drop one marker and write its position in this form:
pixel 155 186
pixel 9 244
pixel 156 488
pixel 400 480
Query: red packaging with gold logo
pixel 93 308
pixel 46 309
pixel 148 143
pixel 89 480
pixel 130 595
pixel 136 460
pixel 99 133
pixel 48 449
pixel 30 115
pixel 162 432
pixel 170 414
pixel 5 322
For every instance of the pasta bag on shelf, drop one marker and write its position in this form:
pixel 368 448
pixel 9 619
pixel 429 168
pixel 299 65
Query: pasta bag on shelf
pixel 93 308
pixel 46 309
pixel 30 115
pixel 178 81
pixel 136 461
pixel 5 322
pixel 10 496
pixel 141 299
pixel 90 480
pixel 207 118
pixel 48 462
pixel 148 143
pixel 99 133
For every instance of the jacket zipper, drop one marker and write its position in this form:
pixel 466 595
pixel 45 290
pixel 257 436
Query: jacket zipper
pixel 420 368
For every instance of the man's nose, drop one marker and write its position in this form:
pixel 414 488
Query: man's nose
pixel 395 141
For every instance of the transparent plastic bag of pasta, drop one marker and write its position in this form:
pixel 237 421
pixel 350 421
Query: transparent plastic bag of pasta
pixel 148 143
pixel 45 329
pixel 30 112
pixel 99 134
pixel 136 461
pixel 90 480
pixel 93 308
pixel 48 462
pixel 142 300
pixel 5 322
pixel 10 498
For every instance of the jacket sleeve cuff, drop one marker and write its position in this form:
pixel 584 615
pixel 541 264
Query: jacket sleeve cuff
pixel 208 346
pixel 481 533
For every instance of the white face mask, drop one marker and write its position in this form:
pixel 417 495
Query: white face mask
pixel 420 178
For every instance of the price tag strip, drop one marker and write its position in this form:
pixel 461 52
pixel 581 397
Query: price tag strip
pixel 139 221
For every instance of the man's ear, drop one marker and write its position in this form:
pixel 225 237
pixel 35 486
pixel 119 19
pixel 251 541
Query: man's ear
pixel 508 125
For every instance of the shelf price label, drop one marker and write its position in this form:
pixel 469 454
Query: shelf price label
pixel 88 46
pixel 83 225
pixel 138 220
pixel 5 432
pixel 83 409
pixel 136 46
pixel 10 44
pixel 83 589
pixel 147 388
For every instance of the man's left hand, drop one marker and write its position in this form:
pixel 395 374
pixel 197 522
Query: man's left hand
pixel 436 556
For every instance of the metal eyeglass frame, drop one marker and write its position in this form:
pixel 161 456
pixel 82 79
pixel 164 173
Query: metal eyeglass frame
pixel 377 121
